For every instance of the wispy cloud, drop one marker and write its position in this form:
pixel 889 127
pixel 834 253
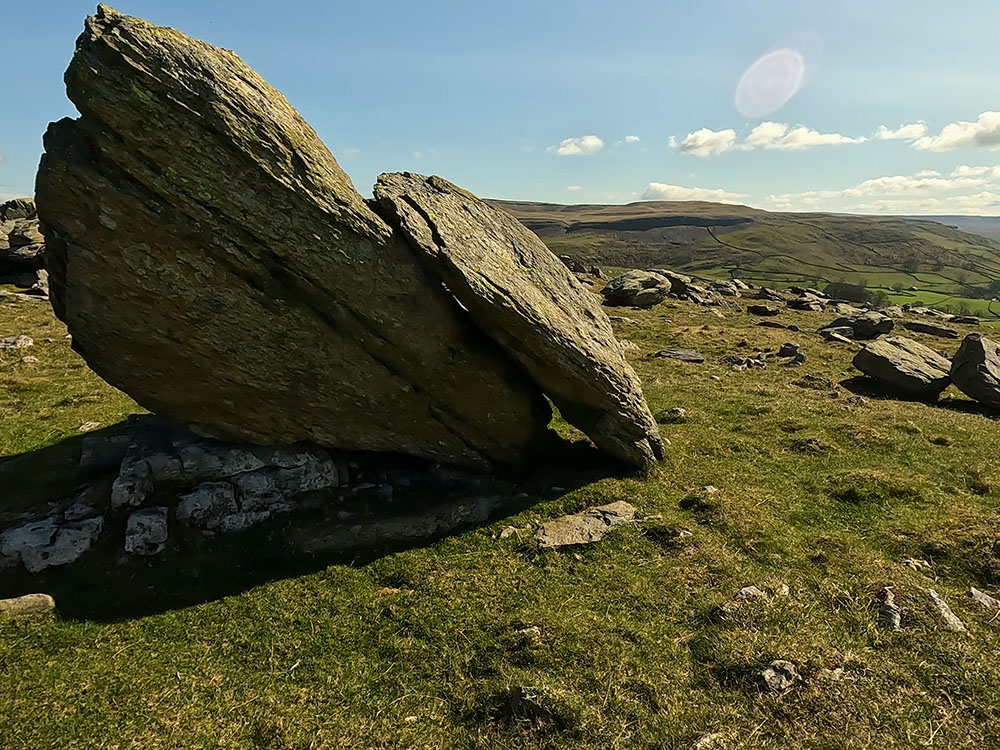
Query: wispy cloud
pixel 574 188
pixel 983 133
pixel 661 191
pixel 966 190
pixel 581 146
pixel 773 136
pixel 903 133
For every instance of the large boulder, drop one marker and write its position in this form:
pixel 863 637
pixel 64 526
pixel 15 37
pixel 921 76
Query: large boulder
pixel 678 282
pixel 637 289
pixel 523 297
pixel 212 260
pixel 905 365
pixel 975 369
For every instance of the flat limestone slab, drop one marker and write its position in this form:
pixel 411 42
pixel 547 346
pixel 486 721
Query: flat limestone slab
pixel 524 298
pixel 906 365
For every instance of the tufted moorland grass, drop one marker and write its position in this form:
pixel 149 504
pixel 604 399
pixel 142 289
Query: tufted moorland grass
pixel 617 643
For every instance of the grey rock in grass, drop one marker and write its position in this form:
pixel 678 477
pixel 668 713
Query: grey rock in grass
pixel 975 369
pixel 949 618
pixel 637 288
pixel 808 302
pixel 682 355
pixel 931 329
pixel 211 259
pixel 523 297
pixel 765 310
pixel 47 543
pixel 906 365
pixel 779 676
pixel 888 611
pixel 968 320
pixel 586 527
pixel 16 342
pixel 146 531
pixel 26 606
pixel 984 600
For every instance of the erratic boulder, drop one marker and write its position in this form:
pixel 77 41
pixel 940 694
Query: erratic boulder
pixel 212 260
pixel 975 369
pixel 22 246
pixel 524 298
pixel 906 365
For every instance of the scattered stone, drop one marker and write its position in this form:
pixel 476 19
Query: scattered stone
pixel 788 349
pixel 26 606
pixel 779 676
pixel 831 675
pixel 985 600
pixel 918 566
pixel 586 527
pixel 969 320
pixel 857 401
pixel 770 295
pixel 17 342
pixel 888 610
pixel 950 620
pixel 930 328
pixel 771 324
pixel 906 365
pixel 508 531
pixel 975 369
pixel 89 426
pixel 146 531
pixel 28 360
pixel 683 355
pixel 46 543
pixel 762 310
pixel 671 416
pixel 807 302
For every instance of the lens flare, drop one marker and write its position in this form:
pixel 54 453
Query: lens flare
pixel 770 82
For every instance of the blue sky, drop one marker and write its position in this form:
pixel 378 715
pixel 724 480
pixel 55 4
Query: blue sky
pixel 597 102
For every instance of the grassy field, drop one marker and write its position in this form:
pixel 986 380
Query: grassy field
pixel 618 642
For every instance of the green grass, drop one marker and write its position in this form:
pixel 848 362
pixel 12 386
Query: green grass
pixel 425 647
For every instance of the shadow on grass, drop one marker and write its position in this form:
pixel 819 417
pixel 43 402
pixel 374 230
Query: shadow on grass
pixel 351 526
pixel 871 388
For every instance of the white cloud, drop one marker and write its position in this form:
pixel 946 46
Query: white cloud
pixel 661 191
pixel 574 188
pixel 903 133
pixel 582 146
pixel 773 136
pixel 706 142
pixel 778 136
pixel 967 190
pixel 983 133
pixel 631 139
pixel 352 151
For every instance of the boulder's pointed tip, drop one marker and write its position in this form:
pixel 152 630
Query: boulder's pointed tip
pixel 106 11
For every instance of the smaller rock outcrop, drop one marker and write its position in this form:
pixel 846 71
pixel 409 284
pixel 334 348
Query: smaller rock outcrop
pixel 932 329
pixel 975 369
pixel 905 365
pixel 764 310
pixel 22 247
pixel 866 326
pixel 641 289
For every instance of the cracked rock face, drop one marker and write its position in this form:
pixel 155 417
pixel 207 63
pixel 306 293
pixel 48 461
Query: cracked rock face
pixel 524 298
pixel 975 369
pixel 213 261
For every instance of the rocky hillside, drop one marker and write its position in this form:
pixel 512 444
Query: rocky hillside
pixel 777 249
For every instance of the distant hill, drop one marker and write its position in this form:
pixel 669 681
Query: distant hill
pixel 721 240
pixel 987 226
